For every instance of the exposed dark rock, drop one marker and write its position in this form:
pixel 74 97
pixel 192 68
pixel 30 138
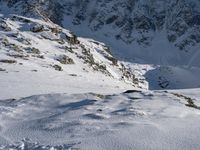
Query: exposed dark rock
pixel 131 91
pixel 72 39
pixel 8 61
pixel 19 56
pixel 32 50
pixel 34 70
pixel 4 26
pixel 190 101
pixel 57 67
pixel 63 59
pixel 56 30
pixel 1 69
pixel 73 75
pixel 37 28
pixel 112 59
pixel 163 82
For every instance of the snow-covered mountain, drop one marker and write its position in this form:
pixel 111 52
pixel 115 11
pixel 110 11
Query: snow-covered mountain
pixel 62 88
pixel 147 31
pixel 40 51
pixel 161 33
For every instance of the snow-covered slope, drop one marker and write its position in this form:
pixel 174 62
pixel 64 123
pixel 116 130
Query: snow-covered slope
pixel 60 91
pixel 130 120
pixel 163 32
pixel 167 77
pixel 49 59
pixel 157 32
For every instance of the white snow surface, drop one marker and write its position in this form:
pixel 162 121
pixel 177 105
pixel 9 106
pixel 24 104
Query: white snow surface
pixel 135 120
pixel 80 108
pixel 32 75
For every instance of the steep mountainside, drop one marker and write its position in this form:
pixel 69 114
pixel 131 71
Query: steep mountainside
pixel 64 90
pixel 49 58
pixel 147 31
pixel 162 33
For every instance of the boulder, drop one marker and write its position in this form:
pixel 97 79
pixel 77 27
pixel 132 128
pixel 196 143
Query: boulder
pixel 63 59
pixel 57 68
pixel 37 28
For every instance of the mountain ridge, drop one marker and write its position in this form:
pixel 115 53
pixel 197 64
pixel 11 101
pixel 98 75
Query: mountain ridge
pixel 143 65
pixel 138 27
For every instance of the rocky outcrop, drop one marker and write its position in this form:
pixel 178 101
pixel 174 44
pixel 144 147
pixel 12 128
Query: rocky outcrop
pixel 63 59
pixel 37 28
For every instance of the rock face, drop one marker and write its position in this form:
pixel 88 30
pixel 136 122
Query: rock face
pixel 135 23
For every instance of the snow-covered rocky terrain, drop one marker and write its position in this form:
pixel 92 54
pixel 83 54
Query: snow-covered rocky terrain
pixel 62 88
pixel 135 29
pixel 51 58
